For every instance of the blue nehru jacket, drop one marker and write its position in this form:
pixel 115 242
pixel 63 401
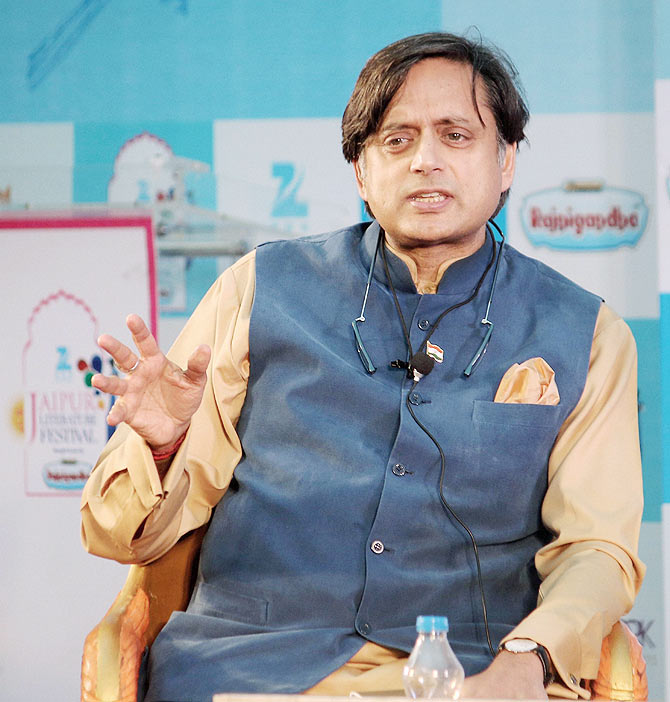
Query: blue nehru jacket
pixel 332 532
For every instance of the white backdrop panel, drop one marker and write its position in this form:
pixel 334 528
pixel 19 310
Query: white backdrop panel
pixel 286 173
pixel 63 286
pixel 646 617
pixel 36 164
pixel 592 165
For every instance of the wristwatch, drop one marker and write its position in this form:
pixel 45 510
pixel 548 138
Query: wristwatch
pixel 529 646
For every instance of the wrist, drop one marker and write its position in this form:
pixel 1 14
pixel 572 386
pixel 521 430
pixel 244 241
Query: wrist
pixel 160 453
pixel 528 649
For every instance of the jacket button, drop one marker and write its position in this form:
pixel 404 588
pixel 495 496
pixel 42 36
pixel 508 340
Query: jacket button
pixel 365 629
pixel 424 324
pixel 573 680
pixel 415 398
pixel 399 469
pixel 377 547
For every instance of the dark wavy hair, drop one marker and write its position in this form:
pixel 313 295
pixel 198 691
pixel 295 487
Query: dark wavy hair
pixel 386 71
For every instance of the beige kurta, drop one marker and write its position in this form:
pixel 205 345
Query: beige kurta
pixel 590 571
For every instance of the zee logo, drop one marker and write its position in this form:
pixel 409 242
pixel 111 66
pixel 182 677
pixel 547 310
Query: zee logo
pixel 640 628
pixel 286 203
pixel 63 367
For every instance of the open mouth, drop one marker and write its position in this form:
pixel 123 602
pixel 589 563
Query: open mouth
pixel 429 197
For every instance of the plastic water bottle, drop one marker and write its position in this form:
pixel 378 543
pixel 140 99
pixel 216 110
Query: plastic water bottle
pixel 432 671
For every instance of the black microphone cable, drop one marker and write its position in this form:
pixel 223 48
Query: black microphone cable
pixel 421 353
pixel 448 508
pixel 421 364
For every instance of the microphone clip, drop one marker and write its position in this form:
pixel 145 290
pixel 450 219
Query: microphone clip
pixel 419 365
pixel 399 364
pixel 403 365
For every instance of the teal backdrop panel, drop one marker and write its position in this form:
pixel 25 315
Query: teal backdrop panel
pixel 572 56
pixel 661 38
pixel 182 60
pixel 646 332
pixel 97 144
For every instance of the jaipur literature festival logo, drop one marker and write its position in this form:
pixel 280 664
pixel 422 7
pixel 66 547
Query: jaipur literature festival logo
pixel 584 215
pixel 64 416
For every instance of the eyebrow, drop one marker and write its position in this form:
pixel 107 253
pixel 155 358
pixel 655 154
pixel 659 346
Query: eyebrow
pixel 445 122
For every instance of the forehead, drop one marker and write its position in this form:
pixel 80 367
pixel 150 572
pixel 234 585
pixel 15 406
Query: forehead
pixel 439 88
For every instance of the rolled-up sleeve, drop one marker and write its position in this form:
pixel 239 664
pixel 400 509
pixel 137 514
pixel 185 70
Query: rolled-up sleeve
pixel 127 512
pixel 593 506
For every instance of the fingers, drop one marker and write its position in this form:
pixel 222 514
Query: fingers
pixel 112 385
pixel 143 338
pixel 123 357
pixel 127 360
pixel 197 364
pixel 117 414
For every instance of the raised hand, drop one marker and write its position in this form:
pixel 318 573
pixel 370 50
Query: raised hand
pixel 155 397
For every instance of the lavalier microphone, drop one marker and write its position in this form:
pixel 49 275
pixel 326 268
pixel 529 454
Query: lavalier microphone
pixel 421 364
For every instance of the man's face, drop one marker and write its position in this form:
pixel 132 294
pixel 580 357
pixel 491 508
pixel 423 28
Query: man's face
pixel 432 174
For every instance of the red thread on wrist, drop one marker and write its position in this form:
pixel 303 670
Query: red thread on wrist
pixel 170 452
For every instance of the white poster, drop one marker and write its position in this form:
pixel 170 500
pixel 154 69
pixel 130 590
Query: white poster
pixel 70 281
pixel 286 173
pixel 583 201
pixel 63 415
pixel 65 281
pixel 646 618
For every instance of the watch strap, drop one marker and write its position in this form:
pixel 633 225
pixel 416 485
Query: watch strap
pixel 542 654
pixel 546 664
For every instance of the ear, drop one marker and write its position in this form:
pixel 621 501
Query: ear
pixel 508 166
pixel 359 172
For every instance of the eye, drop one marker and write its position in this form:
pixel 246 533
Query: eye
pixel 456 137
pixel 396 143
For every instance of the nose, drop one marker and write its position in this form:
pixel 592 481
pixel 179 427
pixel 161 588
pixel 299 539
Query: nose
pixel 427 155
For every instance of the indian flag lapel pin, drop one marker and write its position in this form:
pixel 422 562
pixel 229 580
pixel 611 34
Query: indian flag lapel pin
pixel 435 352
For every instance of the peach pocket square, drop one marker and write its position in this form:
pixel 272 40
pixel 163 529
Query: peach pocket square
pixel 531 382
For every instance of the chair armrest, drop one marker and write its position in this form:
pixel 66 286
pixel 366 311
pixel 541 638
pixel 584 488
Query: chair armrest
pixel 113 649
pixel 623 673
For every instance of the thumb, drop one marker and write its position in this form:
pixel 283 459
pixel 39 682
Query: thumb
pixel 197 363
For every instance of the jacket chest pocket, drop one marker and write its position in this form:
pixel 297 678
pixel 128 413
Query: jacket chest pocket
pixel 513 442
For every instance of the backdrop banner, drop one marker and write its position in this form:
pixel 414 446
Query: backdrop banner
pixel 662 94
pixel 66 279
pixel 82 272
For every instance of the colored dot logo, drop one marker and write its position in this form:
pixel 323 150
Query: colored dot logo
pixel 90 369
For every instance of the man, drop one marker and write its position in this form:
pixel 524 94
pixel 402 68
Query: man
pixel 417 464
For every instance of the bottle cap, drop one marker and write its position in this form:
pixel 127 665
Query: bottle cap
pixel 427 623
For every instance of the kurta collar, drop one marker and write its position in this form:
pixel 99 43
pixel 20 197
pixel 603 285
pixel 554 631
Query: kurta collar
pixel 460 277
